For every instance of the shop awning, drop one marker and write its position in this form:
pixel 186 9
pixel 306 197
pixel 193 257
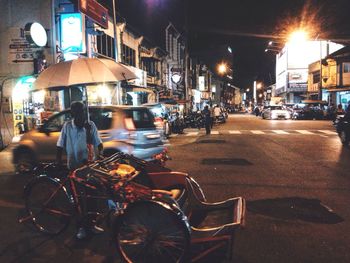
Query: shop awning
pixel 338 89
pixel 140 89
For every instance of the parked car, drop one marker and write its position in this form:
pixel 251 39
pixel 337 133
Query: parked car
pixel 309 110
pixel 275 112
pixel 122 129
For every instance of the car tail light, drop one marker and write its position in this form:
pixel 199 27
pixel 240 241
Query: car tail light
pixel 129 124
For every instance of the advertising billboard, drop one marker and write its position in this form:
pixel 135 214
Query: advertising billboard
pixel 72 33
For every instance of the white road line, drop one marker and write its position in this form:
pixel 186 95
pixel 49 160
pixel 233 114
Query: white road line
pixel 166 144
pixel 257 132
pixel 192 134
pixel 280 132
pixel 304 132
pixel 234 132
pixel 328 132
pixel 324 136
pixel 215 132
pixel 174 135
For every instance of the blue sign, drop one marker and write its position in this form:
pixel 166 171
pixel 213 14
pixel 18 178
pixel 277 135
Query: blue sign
pixel 72 35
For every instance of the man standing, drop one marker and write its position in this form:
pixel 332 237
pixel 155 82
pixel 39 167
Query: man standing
pixel 76 136
pixel 207 119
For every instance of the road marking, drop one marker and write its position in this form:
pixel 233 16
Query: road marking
pixel 280 132
pixel 192 134
pixel 234 132
pixel 257 132
pixel 167 144
pixel 324 136
pixel 174 135
pixel 215 132
pixel 304 132
pixel 328 132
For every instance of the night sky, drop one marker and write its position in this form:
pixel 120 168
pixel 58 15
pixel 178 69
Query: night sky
pixel 245 25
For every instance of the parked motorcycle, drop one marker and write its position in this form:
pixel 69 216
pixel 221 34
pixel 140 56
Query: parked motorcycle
pixel 177 123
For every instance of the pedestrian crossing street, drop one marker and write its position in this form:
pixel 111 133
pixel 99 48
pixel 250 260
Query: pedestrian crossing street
pixel 195 132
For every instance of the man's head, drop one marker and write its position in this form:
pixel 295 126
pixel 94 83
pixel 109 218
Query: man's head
pixel 78 113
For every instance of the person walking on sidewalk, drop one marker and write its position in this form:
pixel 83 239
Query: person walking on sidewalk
pixel 77 135
pixel 207 119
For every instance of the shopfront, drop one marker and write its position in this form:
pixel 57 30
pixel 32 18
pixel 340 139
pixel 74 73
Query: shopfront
pixel 343 98
pixel 31 107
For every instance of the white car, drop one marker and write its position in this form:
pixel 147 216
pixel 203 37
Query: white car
pixel 276 113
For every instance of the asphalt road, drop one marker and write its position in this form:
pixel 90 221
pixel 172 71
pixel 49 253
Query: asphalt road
pixel 295 176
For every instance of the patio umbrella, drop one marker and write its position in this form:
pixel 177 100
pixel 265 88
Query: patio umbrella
pixel 82 71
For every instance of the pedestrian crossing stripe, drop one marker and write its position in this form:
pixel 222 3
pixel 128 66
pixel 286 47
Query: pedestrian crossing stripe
pixel 257 132
pixel 328 132
pixel 192 133
pixel 280 132
pixel 234 132
pixel 304 132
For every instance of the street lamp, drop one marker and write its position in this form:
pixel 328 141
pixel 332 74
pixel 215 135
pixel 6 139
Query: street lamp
pixel 222 68
pixel 298 36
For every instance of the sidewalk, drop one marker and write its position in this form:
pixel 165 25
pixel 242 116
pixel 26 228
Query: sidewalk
pixel 6 165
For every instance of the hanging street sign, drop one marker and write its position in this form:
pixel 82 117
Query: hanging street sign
pixel 95 11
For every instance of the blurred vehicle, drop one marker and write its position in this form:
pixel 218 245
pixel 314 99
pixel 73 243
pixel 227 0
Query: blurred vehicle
pixel 309 110
pixel 161 117
pixel 122 129
pixel 342 125
pixel 275 113
pixel 219 115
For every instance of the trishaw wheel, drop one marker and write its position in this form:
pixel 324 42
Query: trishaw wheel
pixel 152 232
pixel 48 205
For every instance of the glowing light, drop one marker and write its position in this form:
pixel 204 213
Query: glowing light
pixel 104 93
pixel 21 90
pixel 222 68
pixel 298 36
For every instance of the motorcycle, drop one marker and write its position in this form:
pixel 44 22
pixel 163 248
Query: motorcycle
pixel 342 125
pixel 177 124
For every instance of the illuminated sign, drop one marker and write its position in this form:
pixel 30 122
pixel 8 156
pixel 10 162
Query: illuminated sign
pixel 176 78
pixel 72 35
pixel 35 33
pixel 201 83
pixel 95 11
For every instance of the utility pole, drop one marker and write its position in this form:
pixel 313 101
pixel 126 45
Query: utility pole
pixel 119 101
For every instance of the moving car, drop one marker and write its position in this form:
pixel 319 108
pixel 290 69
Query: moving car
pixel 275 113
pixel 122 129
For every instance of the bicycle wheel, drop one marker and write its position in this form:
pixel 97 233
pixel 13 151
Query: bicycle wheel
pixel 48 205
pixel 151 232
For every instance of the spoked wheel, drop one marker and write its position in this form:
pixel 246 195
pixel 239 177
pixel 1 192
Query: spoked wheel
pixel 48 205
pixel 151 232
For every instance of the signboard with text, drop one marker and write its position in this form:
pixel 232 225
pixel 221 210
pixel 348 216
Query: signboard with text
pixel 20 50
pixel 95 11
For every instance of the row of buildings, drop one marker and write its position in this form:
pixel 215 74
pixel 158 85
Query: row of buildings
pixel 85 28
pixel 316 70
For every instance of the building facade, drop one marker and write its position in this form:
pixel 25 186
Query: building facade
pixel 292 67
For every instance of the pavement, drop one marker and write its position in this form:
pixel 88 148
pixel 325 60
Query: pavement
pixel 295 176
